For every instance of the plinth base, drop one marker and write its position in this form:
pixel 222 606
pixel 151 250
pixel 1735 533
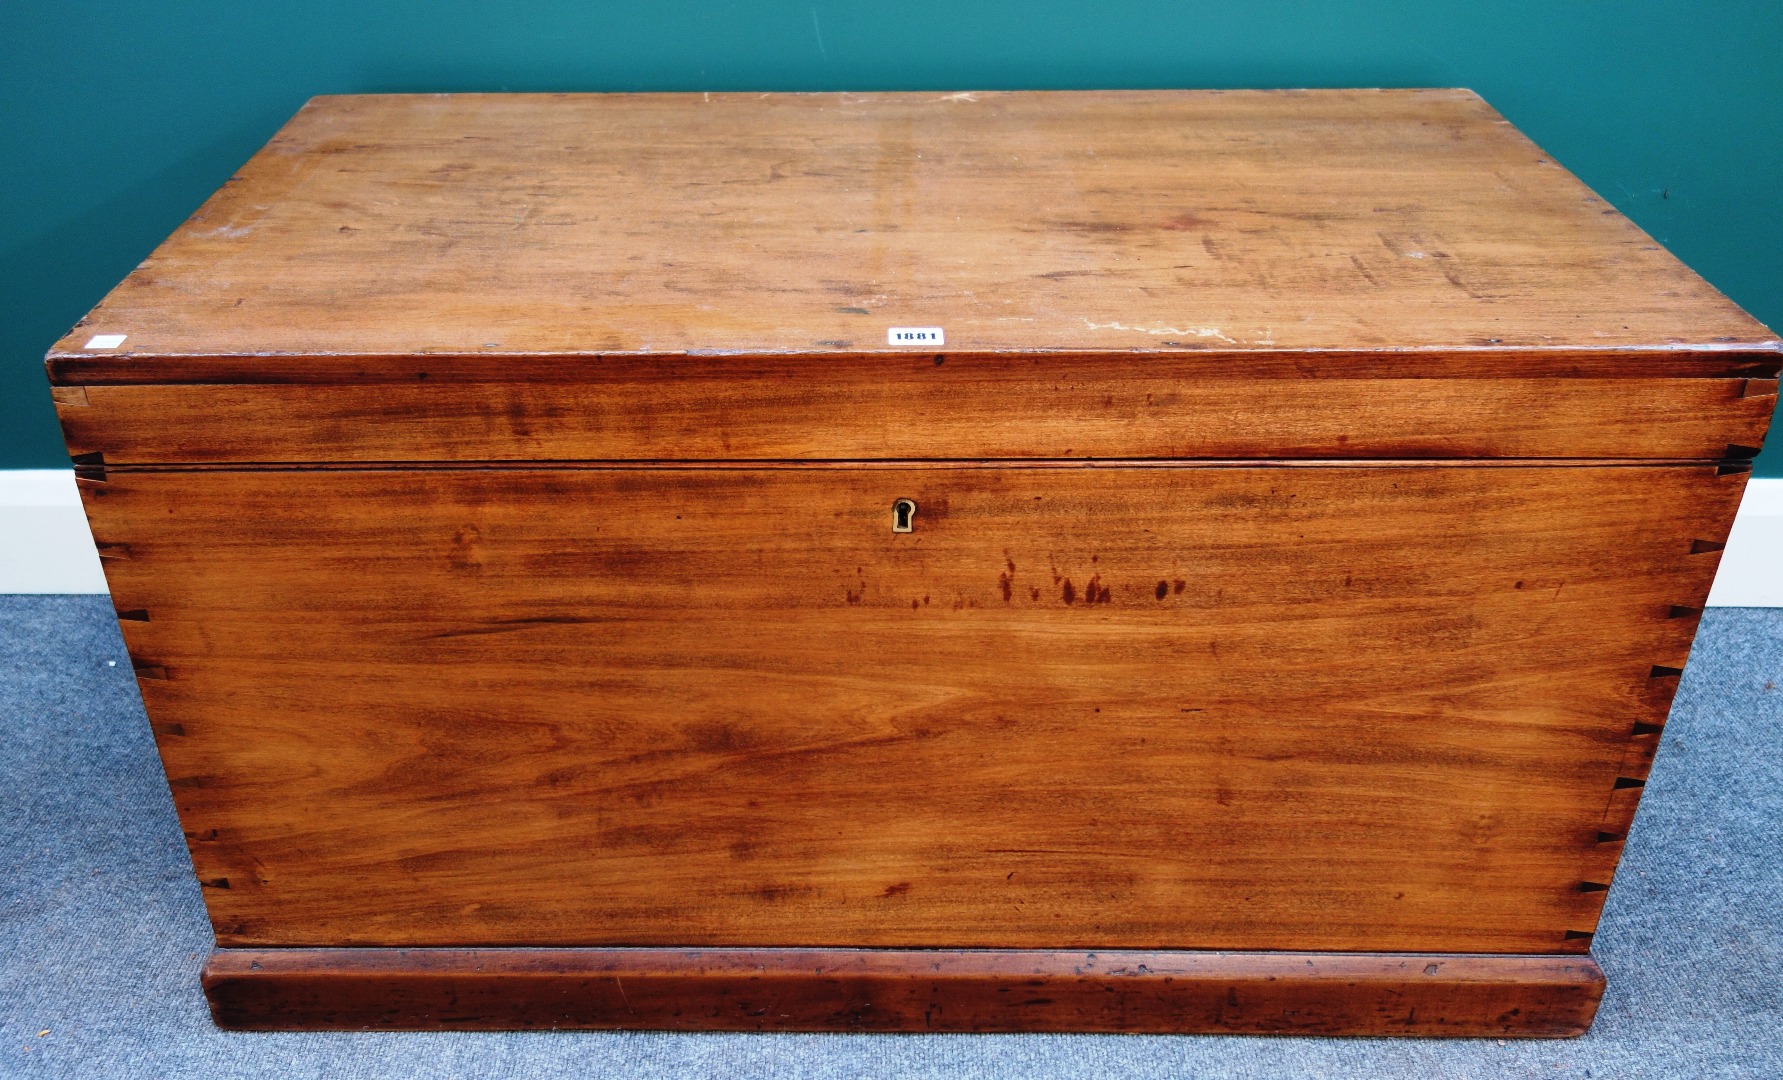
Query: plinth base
pixel 905 990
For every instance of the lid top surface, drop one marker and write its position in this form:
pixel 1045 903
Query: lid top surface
pixel 1106 221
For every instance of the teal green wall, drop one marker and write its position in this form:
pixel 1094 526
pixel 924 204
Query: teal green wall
pixel 117 119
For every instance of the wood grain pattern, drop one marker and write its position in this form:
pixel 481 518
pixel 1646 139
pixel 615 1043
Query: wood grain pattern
pixel 1076 708
pixel 1112 222
pixel 959 408
pixel 862 990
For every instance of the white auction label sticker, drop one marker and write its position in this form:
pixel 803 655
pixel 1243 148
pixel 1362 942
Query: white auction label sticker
pixel 105 341
pixel 915 335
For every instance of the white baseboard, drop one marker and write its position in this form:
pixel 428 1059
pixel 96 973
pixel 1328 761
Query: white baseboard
pixel 44 543
pixel 45 546
pixel 1751 573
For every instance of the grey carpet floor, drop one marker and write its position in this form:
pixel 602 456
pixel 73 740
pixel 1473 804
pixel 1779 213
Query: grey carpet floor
pixel 102 932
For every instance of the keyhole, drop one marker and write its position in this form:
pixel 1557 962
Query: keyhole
pixel 903 516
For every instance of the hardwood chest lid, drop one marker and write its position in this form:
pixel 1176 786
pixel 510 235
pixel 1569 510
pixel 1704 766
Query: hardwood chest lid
pixel 584 225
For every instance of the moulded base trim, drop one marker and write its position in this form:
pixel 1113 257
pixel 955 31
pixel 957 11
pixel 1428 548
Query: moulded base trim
pixel 918 990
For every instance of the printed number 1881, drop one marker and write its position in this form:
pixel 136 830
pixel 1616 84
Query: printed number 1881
pixel 915 335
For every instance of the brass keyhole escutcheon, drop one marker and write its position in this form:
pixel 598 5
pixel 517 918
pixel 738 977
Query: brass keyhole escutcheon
pixel 904 516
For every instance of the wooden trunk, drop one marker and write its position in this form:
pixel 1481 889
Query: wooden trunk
pixel 1163 561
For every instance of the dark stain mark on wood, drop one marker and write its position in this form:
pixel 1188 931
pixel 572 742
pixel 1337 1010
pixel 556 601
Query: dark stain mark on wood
pixel 1364 271
pixel 1185 222
pixel 1628 782
pixel 503 626
pixel 1660 671
pixel 715 737
pixel 1093 228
